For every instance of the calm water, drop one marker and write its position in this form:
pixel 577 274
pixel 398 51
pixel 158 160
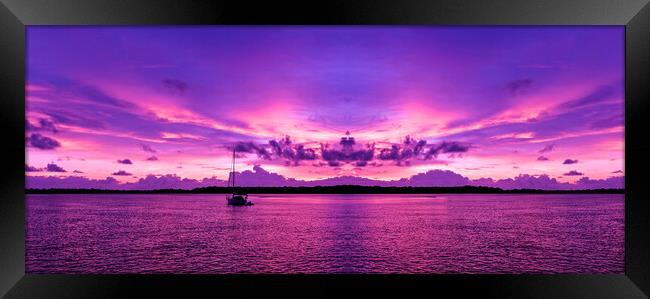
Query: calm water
pixel 137 233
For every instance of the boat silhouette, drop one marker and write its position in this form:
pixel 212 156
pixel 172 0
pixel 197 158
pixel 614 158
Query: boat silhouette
pixel 237 198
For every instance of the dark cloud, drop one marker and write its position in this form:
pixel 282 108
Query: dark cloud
pixel 152 158
pixel 542 158
pixel 547 149
pixel 618 171
pixel 391 153
pixel 48 126
pixel 148 149
pixel 251 147
pixel 348 151
pixel 42 142
pixel 454 147
pixel 446 147
pixel 284 148
pixel 54 168
pixel 303 153
pixel 125 161
pixel 517 87
pixel 574 173
pixel 334 163
pixel 570 161
pixel 32 168
pixel 175 86
pixel 78 171
pixel 121 173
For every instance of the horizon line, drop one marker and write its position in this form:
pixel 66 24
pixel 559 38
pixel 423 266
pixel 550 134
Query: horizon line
pixel 467 189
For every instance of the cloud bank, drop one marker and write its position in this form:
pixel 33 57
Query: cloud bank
pixel 259 177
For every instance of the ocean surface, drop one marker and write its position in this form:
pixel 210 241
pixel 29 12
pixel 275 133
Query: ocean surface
pixel 325 233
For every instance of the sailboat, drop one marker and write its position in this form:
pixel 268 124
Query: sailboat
pixel 236 198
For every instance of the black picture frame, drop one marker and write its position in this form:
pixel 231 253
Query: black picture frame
pixel 633 14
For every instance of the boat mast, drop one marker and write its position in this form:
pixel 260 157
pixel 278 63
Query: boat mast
pixel 233 170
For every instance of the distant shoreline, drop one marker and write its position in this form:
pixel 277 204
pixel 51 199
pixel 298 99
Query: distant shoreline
pixel 339 189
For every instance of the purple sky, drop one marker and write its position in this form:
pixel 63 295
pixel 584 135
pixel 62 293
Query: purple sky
pixel 419 105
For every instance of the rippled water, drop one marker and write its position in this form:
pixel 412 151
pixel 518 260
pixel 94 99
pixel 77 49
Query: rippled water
pixel 136 233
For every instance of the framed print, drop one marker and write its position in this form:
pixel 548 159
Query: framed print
pixel 198 147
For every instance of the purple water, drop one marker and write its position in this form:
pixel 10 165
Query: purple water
pixel 136 233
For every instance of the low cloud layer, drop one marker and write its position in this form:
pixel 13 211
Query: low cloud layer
pixel 263 178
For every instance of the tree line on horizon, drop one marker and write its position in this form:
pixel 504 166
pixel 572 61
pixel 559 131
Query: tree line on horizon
pixel 337 189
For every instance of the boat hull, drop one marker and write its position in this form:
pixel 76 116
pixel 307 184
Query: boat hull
pixel 238 200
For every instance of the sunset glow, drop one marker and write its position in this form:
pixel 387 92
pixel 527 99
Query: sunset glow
pixel 311 103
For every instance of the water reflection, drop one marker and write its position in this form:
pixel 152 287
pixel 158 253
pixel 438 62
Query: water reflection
pixel 135 233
